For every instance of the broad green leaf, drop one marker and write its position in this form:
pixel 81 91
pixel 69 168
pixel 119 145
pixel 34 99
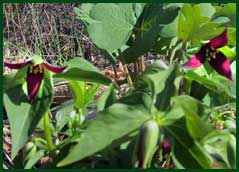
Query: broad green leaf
pixel 207 10
pixel 91 92
pixel 23 115
pixel 232 36
pixel 197 90
pixel 106 99
pixel 161 84
pixel 231 152
pixel 83 11
pixel 194 26
pixel 228 10
pixel 78 93
pixel 138 98
pixel 170 30
pixel 221 146
pixel 152 20
pixel 203 34
pixel 63 113
pixel 138 8
pixel 17 107
pixel 34 159
pixel 221 20
pixel 107 127
pixel 227 92
pixel 187 16
pixel 193 110
pixel 212 84
pixel 170 116
pixel 19 77
pixel 163 98
pixel 187 152
pixel 228 52
pixel 112 24
pixel 82 70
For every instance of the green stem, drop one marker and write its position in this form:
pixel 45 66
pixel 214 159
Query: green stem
pixel 173 52
pixel 47 132
pixel 184 46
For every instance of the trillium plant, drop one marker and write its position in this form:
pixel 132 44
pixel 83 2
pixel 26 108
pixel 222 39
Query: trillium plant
pixel 209 52
pixel 36 67
pixel 173 106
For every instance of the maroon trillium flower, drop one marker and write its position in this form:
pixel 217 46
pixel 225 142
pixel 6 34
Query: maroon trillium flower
pixel 34 74
pixel 215 58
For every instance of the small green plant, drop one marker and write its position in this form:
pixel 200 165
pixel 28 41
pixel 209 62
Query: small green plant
pixel 177 113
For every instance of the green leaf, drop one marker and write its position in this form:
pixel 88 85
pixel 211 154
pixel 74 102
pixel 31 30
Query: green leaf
pixel 164 97
pixel 170 30
pixel 228 52
pixel 187 152
pixel 91 92
pixel 193 110
pixel 82 95
pixel 10 81
pixel 152 20
pixel 81 70
pixel 197 90
pixel 23 115
pixel 231 152
pixel 17 107
pixel 137 98
pixel 84 10
pixel 63 113
pixel 186 21
pixel 107 127
pixel 34 159
pixel 112 24
pixel 228 10
pixel 207 10
pixel 193 25
pixel 214 84
pixel 78 93
pixel 170 116
pixel 106 99
pixel 221 20
pixel 161 84
pixel 138 8
pixel 221 146
pixel 232 37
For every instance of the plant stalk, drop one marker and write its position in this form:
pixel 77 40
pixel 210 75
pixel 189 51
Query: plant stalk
pixel 47 132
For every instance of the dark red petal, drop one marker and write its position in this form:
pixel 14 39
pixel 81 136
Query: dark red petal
pixel 33 84
pixel 165 146
pixel 55 69
pixel 196 60
pixel 16 65
pixel 219 41
pixel 222 65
